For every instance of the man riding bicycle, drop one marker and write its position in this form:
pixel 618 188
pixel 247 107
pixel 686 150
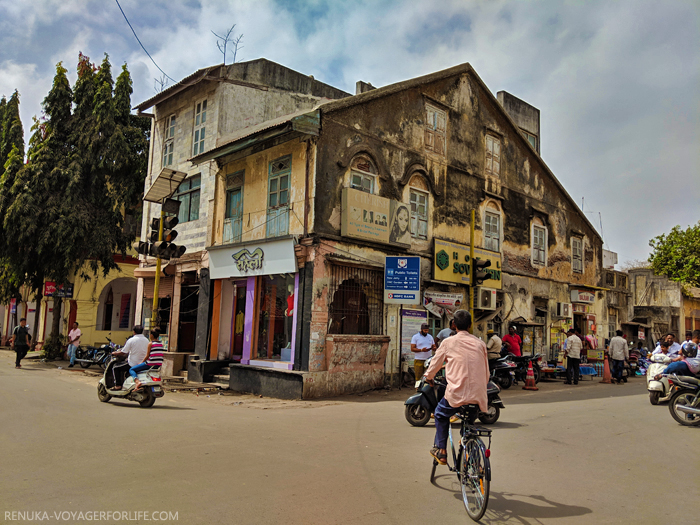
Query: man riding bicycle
pixel 467 374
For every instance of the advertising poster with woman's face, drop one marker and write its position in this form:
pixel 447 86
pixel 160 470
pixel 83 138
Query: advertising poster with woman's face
pixel 400 225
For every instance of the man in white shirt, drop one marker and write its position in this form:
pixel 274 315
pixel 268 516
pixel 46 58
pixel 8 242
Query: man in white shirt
pixel 446 332
pixel 619 353
pixel 73 343
pixel 573 357
pixel 135 351
pixel 493 346
pixel 422 345
pixel 673 350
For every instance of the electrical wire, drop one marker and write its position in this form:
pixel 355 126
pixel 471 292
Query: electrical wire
pixel 139 41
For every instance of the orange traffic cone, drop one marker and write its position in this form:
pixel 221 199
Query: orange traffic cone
pixel 530 379
pixel 607 376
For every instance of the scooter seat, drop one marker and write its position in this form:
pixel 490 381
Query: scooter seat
pixel 689 379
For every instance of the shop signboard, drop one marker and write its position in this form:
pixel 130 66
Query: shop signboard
pixel 451 264
pixel 402 280
pixel 51 291
pixel 582 296
pixel 262 258
pixel 374 218
pixel 640 334
pixel 411 320
pixel 13 306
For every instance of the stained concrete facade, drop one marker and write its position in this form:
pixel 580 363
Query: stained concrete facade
pixel 447 138
pixel 237 96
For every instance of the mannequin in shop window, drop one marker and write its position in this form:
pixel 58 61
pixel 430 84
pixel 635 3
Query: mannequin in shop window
pixel 289 315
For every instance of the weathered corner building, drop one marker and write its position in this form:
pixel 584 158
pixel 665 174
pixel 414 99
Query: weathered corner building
pixel 304 208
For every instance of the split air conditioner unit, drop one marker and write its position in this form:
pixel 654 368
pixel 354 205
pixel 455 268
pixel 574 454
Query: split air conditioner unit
pixel 564 310
pixel 485 299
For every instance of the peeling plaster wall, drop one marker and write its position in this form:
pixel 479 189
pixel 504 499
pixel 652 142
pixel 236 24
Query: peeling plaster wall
pixel 255 191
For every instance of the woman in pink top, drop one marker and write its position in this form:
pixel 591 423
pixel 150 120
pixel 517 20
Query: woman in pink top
pixel 467 374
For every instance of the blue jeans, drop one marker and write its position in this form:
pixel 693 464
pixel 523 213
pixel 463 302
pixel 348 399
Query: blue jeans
pixel 443 413
pixel 71 353
pixel 618 369
pixel 678 367
pixel 134 370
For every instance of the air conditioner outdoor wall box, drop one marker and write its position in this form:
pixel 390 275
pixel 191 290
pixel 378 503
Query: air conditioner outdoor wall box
pixel 485 299
pixel 564 310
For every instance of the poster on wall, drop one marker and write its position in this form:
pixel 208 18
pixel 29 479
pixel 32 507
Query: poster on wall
pixel 374 218
pixel 410 326
pixel 442 304
pixel 640 334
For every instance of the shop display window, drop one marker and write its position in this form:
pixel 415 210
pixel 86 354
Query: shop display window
pixel 276 317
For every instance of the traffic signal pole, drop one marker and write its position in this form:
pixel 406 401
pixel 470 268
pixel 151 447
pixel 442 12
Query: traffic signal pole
pixel 471 268
pixel 154 313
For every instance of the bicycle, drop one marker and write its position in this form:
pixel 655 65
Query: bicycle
pixel 471 462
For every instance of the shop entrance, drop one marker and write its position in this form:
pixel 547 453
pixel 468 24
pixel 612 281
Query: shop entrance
pixel 275 317
pixel 237 338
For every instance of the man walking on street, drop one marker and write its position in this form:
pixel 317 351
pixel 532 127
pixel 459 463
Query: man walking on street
pixel 573 357
pixel 20 341
pixel 422 345
pixel 619 353
pixel 73 343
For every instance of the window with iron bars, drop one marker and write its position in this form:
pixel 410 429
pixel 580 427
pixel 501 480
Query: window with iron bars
pixel 356 301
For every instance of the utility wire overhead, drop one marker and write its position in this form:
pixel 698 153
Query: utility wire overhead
pixel 139 41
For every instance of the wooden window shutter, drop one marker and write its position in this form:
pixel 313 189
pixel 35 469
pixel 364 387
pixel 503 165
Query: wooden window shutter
pixel 165 287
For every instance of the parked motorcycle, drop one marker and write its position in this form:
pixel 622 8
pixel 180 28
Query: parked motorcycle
pixel 684 404
pixel 502 371
pixel 151 386
pixel 420 406
pixel 88 355
pixel 522 363
pixel 662 389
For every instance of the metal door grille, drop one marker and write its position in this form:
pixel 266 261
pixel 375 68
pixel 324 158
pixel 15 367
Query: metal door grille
pixel 356 301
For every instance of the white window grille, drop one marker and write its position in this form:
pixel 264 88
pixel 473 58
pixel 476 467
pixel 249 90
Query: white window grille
pixel 539 244
pixel 492 231
pixel 493 155
pixel 168 141
pixel 419 214
pixel 577 254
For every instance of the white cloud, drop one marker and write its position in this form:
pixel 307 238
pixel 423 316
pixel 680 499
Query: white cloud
pixel 616 81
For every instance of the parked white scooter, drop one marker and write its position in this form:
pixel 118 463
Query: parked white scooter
pixel 151 386
pixel 660 390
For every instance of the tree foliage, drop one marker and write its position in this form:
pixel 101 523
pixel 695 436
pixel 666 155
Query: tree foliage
pixel 677 255
pixel 62 214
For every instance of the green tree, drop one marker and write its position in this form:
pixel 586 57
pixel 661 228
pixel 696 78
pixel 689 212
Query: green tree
pixel 64 210
pixel 677 255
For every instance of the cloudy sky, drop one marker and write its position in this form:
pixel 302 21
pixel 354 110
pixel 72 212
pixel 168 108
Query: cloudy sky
pixel 617 83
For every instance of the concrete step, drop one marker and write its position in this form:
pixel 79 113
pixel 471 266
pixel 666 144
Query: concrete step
pixel 222 379
pixel 175 380
pixel 183 373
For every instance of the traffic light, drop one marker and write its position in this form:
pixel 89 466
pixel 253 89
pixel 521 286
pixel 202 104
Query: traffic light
pixel 165 248
pixel 479 272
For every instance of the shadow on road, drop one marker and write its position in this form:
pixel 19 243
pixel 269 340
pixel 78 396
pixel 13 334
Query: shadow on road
pixel 520 508
pixel 555 393
pixel 504 507
pixel 154 407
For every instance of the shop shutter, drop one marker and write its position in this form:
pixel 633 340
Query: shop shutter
pixel 165 287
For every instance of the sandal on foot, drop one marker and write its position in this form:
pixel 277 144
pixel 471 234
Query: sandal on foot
pixel 440 457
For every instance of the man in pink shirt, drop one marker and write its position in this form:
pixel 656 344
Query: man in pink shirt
pixel 467 374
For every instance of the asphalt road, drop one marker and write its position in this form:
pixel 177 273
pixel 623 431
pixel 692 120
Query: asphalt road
pixel 588 454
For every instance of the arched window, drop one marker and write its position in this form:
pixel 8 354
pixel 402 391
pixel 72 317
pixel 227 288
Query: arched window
pixel 115 309
pixel 363 174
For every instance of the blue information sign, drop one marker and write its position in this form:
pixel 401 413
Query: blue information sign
pixel 402 280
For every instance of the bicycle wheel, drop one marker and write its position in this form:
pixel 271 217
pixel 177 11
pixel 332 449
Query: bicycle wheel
pixel 474 467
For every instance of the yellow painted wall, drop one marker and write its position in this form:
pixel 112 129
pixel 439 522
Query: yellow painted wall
pixel 87 296
pixel 255 191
